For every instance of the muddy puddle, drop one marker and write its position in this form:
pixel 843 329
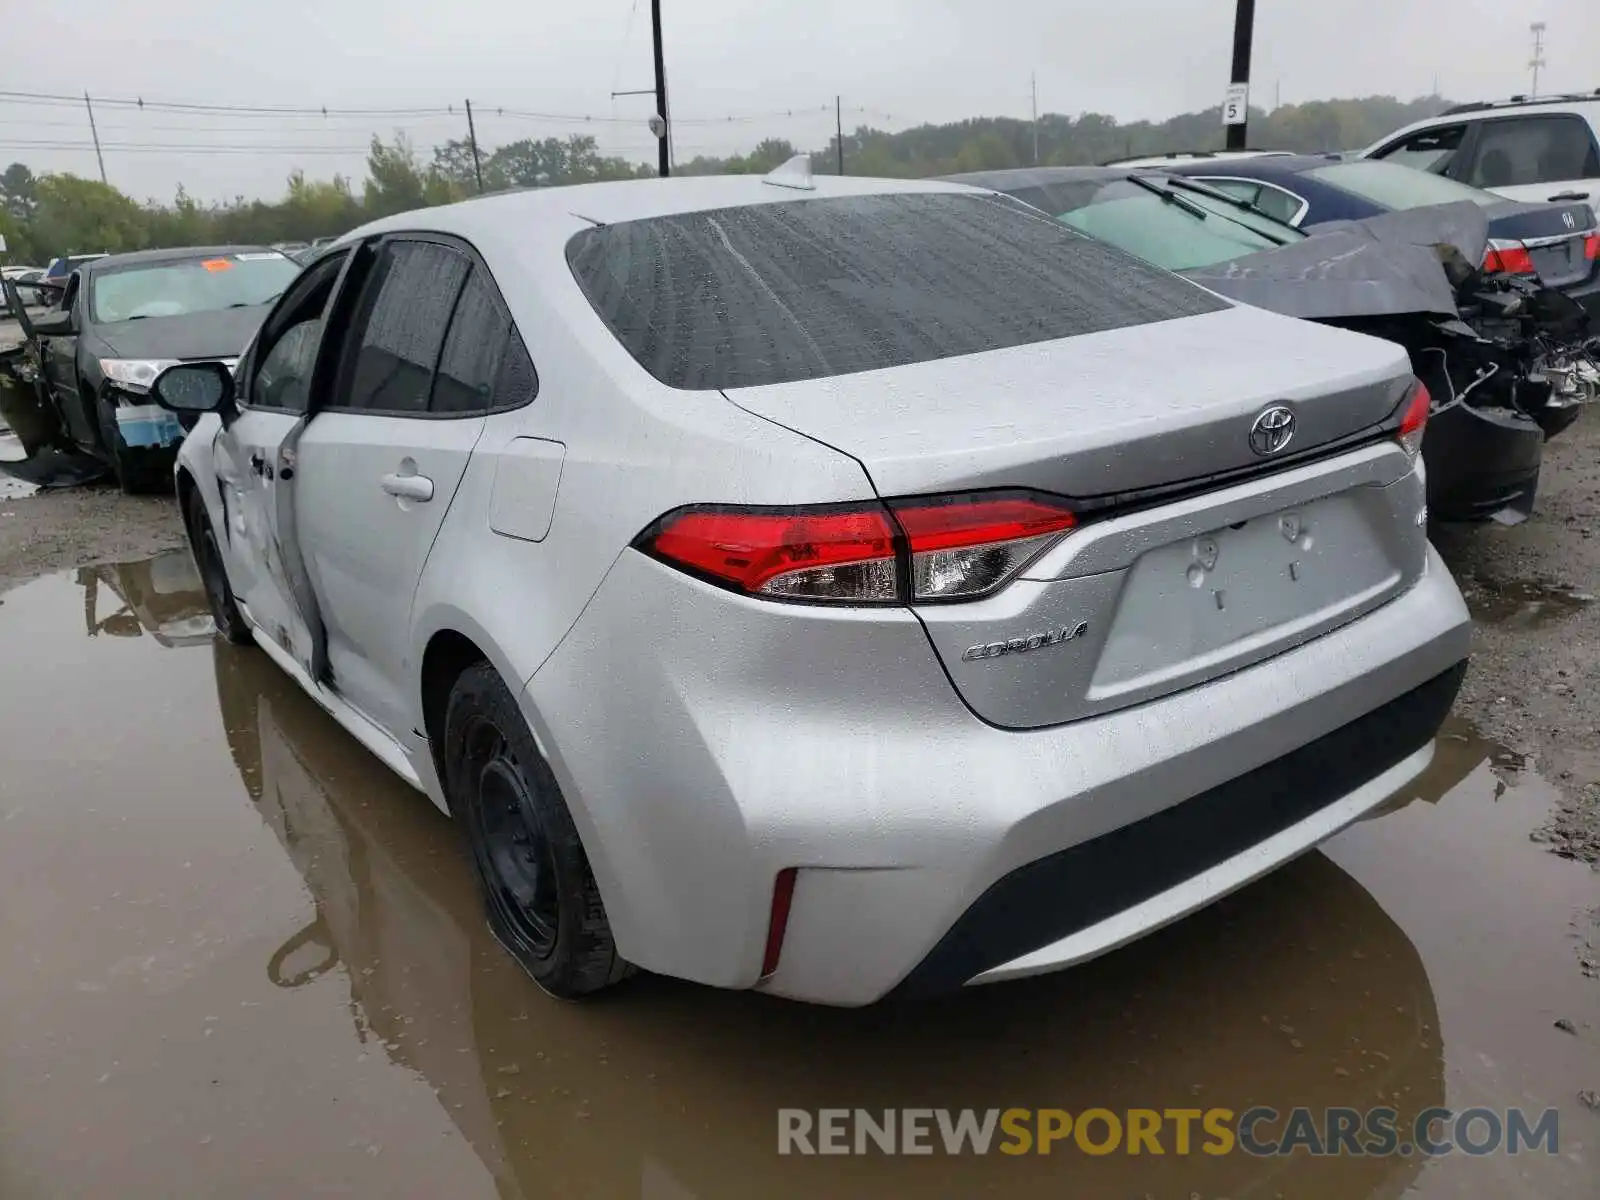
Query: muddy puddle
pixel 237 959
pixel 1523 604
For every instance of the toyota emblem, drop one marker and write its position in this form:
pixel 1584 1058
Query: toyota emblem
pixel 1272 430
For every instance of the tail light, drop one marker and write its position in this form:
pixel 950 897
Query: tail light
pixel 956 547
pixel 1508 258
pixel 1415 418
pixel 1591 246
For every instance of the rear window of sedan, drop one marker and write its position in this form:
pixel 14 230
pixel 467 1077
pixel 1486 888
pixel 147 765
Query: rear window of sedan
pixel 806 289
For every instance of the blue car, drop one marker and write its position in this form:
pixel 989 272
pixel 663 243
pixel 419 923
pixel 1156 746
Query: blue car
pixel 1558 243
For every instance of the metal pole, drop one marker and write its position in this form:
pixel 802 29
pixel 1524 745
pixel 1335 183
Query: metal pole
pixel 1537 29
pixel 101 158
pixel 665 164
pixel 1033 83
pixel 472 139
pixel 1244 27
pixel 838 125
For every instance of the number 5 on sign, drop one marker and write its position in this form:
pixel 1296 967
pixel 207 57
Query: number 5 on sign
pixel 1236 105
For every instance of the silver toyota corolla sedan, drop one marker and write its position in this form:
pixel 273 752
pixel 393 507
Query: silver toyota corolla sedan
pixel 842 588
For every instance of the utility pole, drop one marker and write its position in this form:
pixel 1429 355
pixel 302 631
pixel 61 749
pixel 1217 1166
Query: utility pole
pixel 1537 61
pixel 665 166
pixel 1033 85
pixel 838 125
pixel 1236 111
pixel 95 133
pixel 472 139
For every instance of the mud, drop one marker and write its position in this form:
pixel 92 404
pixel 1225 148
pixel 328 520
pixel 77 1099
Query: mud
pixel 1534 684
pixel 239 959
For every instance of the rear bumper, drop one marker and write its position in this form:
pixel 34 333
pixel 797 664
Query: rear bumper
pixel 1481 462
pixel 702 753
pixel 1090 898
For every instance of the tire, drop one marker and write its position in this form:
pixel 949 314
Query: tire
pixel 138 471
pixel 225 612
pixel 540 895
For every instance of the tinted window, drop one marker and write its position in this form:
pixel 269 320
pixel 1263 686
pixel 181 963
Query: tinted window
pixel 465 382
pixel 772 293
pixel 284 375
pixel 400 326
pixel 1428 150
pixel 516 383
pixel 1396 187
pixel 1520 151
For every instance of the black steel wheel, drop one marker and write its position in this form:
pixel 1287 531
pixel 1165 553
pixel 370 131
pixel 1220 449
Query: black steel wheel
pixel 540 895
pixel 225 612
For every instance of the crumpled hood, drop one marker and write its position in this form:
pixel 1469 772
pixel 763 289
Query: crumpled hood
pixel 1387 265
pixel 197 335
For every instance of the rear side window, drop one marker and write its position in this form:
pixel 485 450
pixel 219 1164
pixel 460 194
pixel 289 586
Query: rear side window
pixel 1518 151
pixel 1426 150
pixel 471 358
pixel 773 293
pixel 399 328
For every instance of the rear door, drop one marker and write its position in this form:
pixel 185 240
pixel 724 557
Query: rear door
pixel 378 466
pixel 1543 157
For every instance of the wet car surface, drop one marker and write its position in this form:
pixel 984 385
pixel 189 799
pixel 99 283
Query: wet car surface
pixel 240 959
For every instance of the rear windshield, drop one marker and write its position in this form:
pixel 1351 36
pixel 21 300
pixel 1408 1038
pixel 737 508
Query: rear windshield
pixel 773 293
pixel 1397 187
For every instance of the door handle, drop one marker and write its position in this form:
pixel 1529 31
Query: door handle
pixel 408 487
pixel 1568 196
pixel 258 464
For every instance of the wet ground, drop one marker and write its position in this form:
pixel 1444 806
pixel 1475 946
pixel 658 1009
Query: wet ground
pixel 237 959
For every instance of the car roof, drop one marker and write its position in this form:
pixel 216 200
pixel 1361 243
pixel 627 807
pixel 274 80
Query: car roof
pixel 173 254
pixel 1025 177
pixel 560 211
pixel 1563 102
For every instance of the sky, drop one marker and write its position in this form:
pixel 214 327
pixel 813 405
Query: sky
pixel 773 68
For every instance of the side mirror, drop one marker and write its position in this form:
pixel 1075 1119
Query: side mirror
pixel 195 387
pixel 55 324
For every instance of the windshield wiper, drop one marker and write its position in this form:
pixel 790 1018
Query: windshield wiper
pixel 1202 189
pixel 1188 206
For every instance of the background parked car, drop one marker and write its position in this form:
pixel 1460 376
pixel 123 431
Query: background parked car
pixel 53 283
pixel 1559 244
pixel 26 280
pixel 1525 149
pixel 1484 454
pixel 125 317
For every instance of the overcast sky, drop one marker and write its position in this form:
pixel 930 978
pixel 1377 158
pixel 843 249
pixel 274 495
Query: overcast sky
pixel 895 62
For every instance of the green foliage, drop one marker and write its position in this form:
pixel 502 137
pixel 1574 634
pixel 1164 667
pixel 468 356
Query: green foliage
pixel 46 215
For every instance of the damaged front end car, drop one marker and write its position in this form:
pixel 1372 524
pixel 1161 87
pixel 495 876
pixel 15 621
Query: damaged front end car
pixel 1509 362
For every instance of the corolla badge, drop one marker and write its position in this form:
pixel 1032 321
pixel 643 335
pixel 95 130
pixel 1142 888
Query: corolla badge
pixel 1021 645
pixel 1272 430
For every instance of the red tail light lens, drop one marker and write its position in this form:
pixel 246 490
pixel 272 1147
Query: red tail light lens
pixel 1415 418
pixel 943 548
pixel 965 546
pixel 1508 258
pixel 842 554
pixel 1591 247
pixel 778 920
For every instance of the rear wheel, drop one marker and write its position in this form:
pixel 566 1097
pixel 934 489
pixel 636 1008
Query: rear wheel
pixel 225 613
pixel 543 904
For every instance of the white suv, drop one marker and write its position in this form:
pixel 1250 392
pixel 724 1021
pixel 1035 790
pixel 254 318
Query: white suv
pixel 1533 150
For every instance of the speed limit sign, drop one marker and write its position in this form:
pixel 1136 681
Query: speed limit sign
pixel 1236 104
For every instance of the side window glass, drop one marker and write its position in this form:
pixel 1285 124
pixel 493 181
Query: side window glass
pixel 516 383
pixel 472 350
pixel 1427 150
pixel 284 376
pixel 1239 189
pixel 1531 150
pixel 399 328
pixel 1277 203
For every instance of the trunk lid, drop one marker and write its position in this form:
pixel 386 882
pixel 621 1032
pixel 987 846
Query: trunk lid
pixel 1153 597
pixel 1099 415
pixel 1555 235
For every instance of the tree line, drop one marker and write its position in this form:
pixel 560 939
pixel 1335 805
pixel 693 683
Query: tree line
pixel 44 215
